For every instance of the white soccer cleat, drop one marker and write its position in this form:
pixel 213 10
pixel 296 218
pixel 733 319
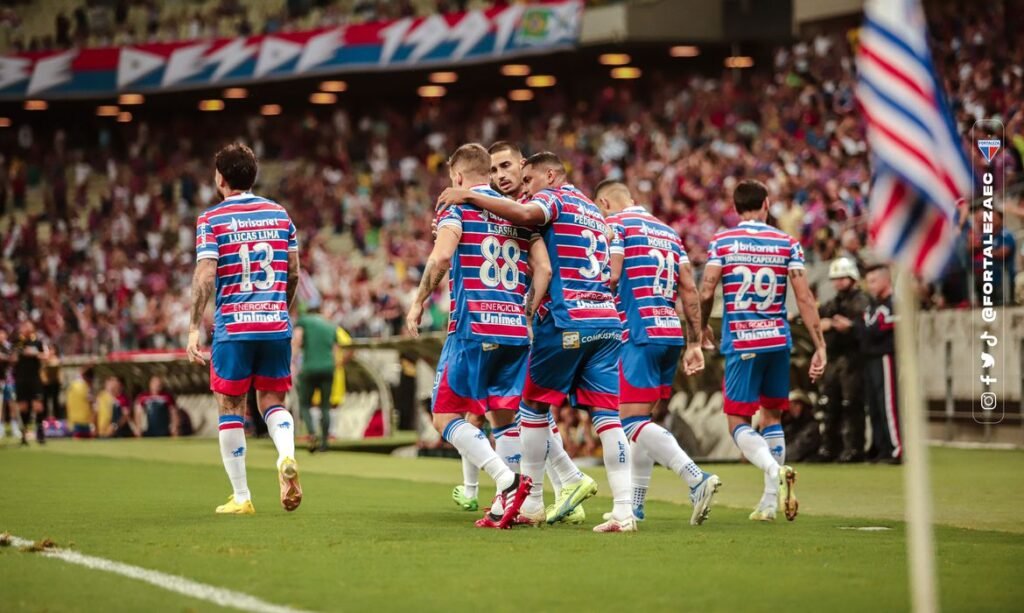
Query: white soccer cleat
pixel 701 497
pixel 614 525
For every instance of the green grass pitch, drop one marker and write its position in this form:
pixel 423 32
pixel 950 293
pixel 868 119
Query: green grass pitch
pixel 381 533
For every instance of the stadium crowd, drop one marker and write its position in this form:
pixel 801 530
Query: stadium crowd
pixel 108 265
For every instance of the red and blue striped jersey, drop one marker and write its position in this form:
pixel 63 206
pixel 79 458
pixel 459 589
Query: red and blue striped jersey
pixel 648 286
pixel 755 259
pixel 576 237
pixel 487 279
pixel 250 238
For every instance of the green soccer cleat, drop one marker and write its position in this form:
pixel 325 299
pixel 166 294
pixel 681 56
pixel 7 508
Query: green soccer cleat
pixel 465 502
pixel 571 496
pixel 576 516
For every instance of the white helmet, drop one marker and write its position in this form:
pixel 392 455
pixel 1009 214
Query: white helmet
pixel 842 268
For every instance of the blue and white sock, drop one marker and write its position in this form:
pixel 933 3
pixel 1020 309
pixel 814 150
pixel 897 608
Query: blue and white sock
pixel 510 449
pixel 753 447
pixel 474 446
pixel 663 448
pixel 776 441
pixel 231 433
pixel 534 436
pixel 281 427
pixel 556 447
pixel 616 461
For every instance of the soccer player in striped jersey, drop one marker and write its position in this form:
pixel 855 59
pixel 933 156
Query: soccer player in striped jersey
pixel 247 251
pixel 654 290
pixel 577 338
pixel 754 261
pixel 484 357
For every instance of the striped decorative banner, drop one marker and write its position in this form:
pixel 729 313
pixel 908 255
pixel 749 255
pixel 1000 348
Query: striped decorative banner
pixel 920 170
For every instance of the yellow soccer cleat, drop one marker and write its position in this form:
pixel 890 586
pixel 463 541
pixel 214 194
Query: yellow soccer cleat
pixel 234 508
pixel 288 479
pixel 763 513
pixel 787 492
pixel 576 516
pixel 572 496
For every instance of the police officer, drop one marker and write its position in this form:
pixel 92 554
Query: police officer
pixel 842 397
pixel 877 346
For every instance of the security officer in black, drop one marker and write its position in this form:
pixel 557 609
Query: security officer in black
pixel 877 342
pixel 842 388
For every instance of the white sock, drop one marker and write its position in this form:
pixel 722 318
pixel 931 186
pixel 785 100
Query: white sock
pixel 556 441
pixel 665 450
pixel 776 441
pixel 281 428
pixel 474 446
pixel 232 451
pixel 510 449
pixel 616 461
pixel 755 449
pixel 640 467
pixel 535 437
pixel 470 477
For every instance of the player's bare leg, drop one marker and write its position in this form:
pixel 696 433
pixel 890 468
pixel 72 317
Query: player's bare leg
pixel 281 427
pixel 651 440
pixel 231 433
pixel 474 446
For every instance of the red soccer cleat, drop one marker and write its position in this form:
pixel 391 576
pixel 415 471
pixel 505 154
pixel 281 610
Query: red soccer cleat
pixel 488 521
pixel 513 499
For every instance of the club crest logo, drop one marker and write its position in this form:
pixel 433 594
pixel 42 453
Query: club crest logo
pixel 989 148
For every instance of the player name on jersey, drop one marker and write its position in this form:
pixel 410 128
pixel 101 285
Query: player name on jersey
pixel 646 296
pixel 755 259
pixel 250 238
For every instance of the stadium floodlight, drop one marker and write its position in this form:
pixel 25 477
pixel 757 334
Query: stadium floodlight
pixel 431 91
pixel 333 86
pixel 521 95
pixel 36 105
pixel 684 51
pixel 614 59
pixel 541 80
pixel 5 122
pixel 443 77
pixel 739 61
pixel 515 70
pixel 270 110
pixel 130 99
pixel 322 98
pixel 626 72
pixel 107 110
pixel 236 93
pixel 124 117
pixel 211 105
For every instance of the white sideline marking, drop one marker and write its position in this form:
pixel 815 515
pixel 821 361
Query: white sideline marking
pixel 172 583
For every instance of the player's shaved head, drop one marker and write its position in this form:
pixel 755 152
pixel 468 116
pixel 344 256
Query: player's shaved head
pixel 236 165
pixel 749 196
pixel 612 196
pixel 471 160
pixel 504 145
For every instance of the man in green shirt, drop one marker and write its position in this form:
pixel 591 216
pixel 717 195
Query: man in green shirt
pixel 314 338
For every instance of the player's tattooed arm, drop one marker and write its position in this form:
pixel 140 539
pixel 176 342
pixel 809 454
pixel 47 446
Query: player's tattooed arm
pixel 202 288
pixel 293 276
pixel 689 300
pixel 502 207
pixel 808 308
pixel 712 275
pixel 434 271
